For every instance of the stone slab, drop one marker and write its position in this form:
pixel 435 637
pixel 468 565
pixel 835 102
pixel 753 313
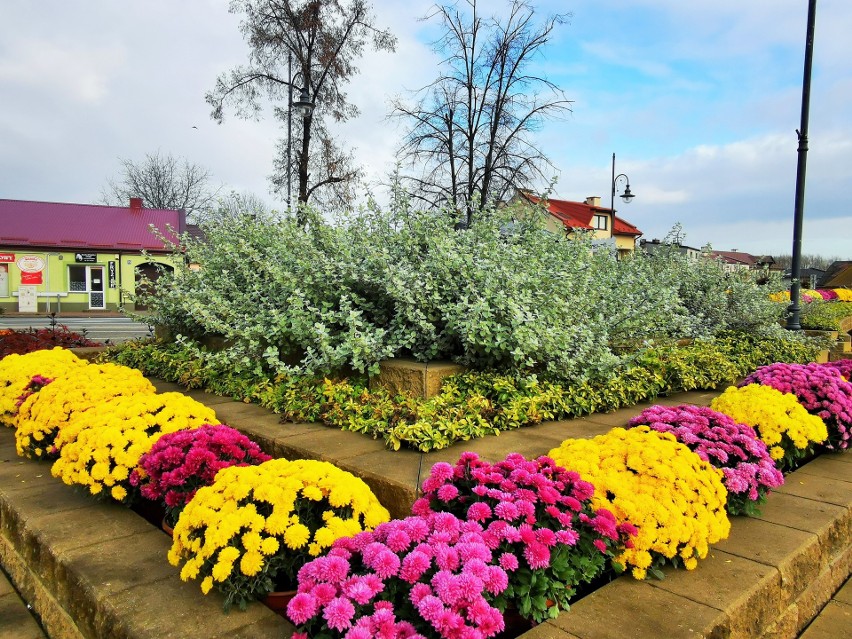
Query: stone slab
pixel 797 555
pixel 330 444
pixel 817 488
pixel 617 418
pixel 394 477
pixel 630 608
pixel 696 398
pixel 834 622
pixel 844 595
pixel 16 622
pixel 746 593
pixel 163 386
pixel 831 467
pixel 238 412
pixel 547 630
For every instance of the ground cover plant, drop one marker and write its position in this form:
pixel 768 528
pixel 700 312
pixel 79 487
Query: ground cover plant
pixel 825 315
pixel 474 404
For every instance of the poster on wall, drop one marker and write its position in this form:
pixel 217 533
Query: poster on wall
pixel 31 268
pixel 4 280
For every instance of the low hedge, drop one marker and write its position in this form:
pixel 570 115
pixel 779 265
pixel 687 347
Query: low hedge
pixel 473 404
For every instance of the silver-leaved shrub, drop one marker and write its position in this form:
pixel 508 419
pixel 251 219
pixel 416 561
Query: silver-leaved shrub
pixel 504 294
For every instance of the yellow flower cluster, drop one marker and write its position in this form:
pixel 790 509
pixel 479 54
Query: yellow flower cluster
pixel 101 447
pixel 780 296
pixel 843 294
pixel 45 413
pixel 675 500
pixel 784 425
pixel 16 371
pixel 257 520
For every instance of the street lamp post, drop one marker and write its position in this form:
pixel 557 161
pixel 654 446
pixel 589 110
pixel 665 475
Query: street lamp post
pixel 793 321
pixel 627 196
pixel 304 107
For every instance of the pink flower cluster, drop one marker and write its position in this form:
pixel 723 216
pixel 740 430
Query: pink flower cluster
pixel 843 365
pixel 182 462
pixel 534 511
pixel 820 389
pixel 418 578
pixel 734 448
pixel 36 384
pixel 827 294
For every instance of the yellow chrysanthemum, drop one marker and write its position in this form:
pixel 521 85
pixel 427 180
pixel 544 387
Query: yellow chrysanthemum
pixel 256 513
pixel 783 424
pixel 675 500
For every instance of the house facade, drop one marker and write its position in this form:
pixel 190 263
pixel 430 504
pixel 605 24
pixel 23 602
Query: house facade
pixel 654 245
pixel 58 257
pixel 606 227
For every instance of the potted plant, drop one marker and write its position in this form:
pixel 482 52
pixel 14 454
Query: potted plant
pixel 180 463
pixel 538 517
pixel 424 577
pixel 250 532
pixel 735 449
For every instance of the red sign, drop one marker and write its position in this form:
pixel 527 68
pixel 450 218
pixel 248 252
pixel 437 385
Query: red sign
pixel 31 278
pixel 7 257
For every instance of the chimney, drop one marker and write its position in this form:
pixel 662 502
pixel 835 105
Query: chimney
pixel 136 204
pixel 594 200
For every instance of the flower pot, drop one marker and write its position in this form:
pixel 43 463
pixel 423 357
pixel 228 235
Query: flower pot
pixel 167 527
pixel 277 601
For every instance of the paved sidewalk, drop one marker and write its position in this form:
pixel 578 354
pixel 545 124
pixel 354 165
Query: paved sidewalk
pixel 835 620
pixel 16 621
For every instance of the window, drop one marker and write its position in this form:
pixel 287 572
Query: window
pixel 77 279
pixel 601 222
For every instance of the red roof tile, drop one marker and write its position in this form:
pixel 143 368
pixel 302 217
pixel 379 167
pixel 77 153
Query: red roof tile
pixel 578 215
pixel 78 226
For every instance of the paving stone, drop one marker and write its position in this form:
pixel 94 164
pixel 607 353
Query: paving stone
pixel 166 387
pixel 821 589
pixel 829 466
pixel 331 445
pixel 208 399
pixel 832 491
pixel 844 595
pixel 834 622
pixel 87 577
pixel 630 608
pixel 393 477
pixel 748 593
pixel 266 628
pixel 171 607
pixel 696 398
pixel 238 412
pixel 16 622
pixel 798 555
pixel 547 630
pixel 832 524
pixel 618 418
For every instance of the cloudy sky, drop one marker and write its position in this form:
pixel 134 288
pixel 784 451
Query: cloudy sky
pixel 699 100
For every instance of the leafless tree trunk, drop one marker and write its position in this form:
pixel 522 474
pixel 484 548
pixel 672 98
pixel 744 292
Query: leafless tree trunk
pixel 469 139
pixel 323 38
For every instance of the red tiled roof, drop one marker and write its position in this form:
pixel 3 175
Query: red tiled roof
pixel 77 226
pixel 735 257
pixel 578 215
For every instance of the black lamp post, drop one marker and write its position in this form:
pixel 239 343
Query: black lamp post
pixel 627 196
pixel 793 321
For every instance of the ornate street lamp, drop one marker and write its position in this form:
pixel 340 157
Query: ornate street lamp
pixel 626 196
pixel 303 105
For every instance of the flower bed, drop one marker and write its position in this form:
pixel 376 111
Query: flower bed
pixel 485 537
pixel 13 342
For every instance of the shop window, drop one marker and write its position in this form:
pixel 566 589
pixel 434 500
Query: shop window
pixel 77 279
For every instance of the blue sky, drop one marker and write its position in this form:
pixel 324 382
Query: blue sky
pixel 699 99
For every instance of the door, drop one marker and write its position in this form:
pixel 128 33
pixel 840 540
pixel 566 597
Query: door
pixel 96 288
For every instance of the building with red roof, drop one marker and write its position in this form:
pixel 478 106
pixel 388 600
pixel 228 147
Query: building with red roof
pixel 568 216
pixel 80 256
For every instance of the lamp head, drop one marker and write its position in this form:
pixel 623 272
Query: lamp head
pixel 303 105
pixel 627 196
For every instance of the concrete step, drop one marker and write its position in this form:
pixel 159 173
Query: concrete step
pixel 16 619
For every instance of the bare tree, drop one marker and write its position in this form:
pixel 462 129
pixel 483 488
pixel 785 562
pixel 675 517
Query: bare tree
pixel 320 39
pixel 163 182
pixel 469 139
